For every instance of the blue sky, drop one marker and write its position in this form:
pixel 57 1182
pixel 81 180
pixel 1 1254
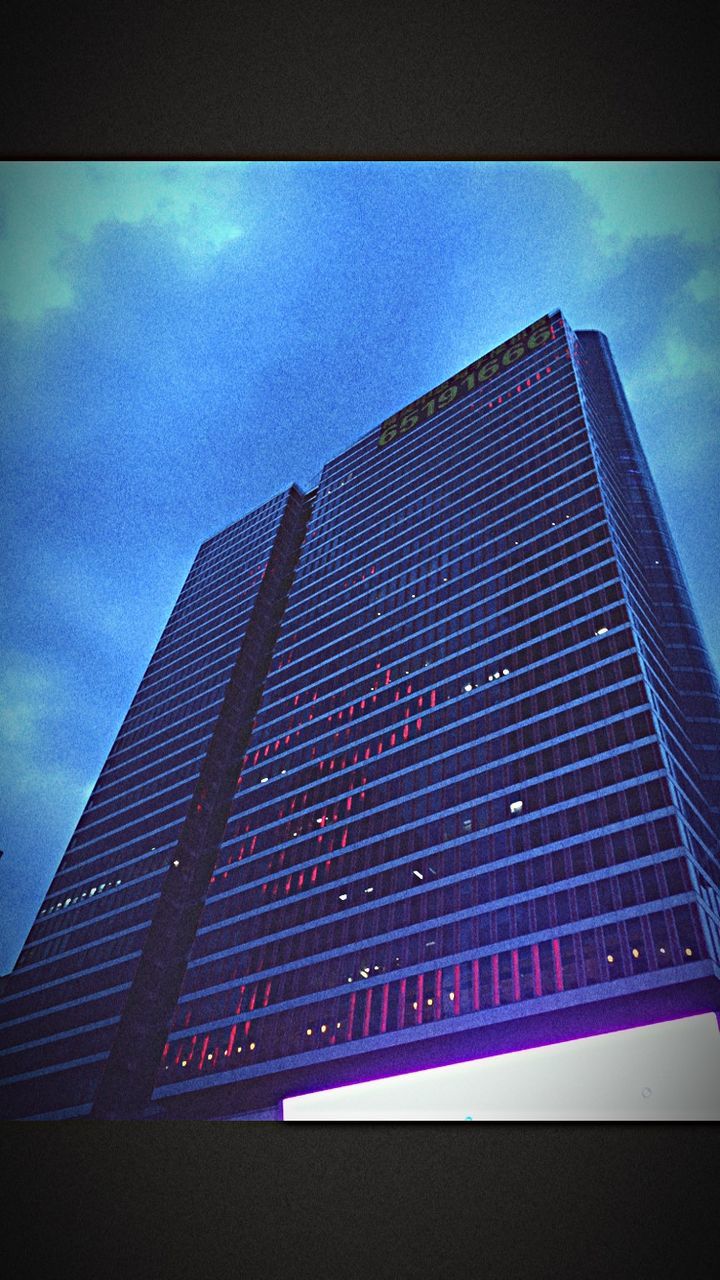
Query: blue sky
pixel 182 340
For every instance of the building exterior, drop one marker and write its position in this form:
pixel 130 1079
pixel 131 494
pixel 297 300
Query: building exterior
pixel 463 801
pixel 108 948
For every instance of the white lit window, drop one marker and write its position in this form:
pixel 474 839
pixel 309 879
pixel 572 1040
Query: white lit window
pixel 516 806
pixel 343 897
pixel 417 873
pixel 601 631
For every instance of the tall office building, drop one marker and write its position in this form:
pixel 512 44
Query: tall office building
pixel 464 801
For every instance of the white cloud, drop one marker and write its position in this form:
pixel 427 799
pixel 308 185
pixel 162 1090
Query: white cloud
pixel 672 358
pixel 26 691
pixel 33 700
pixel 640 199
pixel 705 286
pixel 48 206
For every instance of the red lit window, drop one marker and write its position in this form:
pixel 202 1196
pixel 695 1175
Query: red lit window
pixel 557 964
pixel 401 1004
pixel 384 1007
pixel 515 975
pixel 366 1018
pixel 537 979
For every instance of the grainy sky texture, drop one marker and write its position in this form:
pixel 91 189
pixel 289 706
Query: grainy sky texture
pixel 180 341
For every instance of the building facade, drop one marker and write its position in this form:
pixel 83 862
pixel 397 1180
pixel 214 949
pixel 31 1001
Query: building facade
pixel 469 804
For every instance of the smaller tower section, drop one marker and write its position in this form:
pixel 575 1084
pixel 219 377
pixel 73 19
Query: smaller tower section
pixel 103 958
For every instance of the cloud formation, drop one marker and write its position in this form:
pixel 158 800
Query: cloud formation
pixel 48 207
pixel 637 200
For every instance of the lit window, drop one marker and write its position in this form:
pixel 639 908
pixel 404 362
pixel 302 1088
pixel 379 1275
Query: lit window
pixel 688 950
pixel 417 873
pixel 323 1027
pixel 265 778
pixel 369 890
pixel 364 973
pixel 343 897
pixel 176 862
pixel 451 995
pixel 338 1025
pixel 516 806
pixel 601 631
pixel 309 1031
pixel 635 952
pixel 611 959
pixel 506 671
pixel 468 688
pixel 183 1063
pixel 414 1004
pixel 252 1046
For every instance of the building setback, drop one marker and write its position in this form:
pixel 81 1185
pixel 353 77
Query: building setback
pixel 84 1011
pixel 463 801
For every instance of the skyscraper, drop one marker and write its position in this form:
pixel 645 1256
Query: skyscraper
pixel 468 804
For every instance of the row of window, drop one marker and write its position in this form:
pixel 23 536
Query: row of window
pixel 578 815
pixel 620 949
pixel 398 512
pixel 417 640
pixel 497 903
